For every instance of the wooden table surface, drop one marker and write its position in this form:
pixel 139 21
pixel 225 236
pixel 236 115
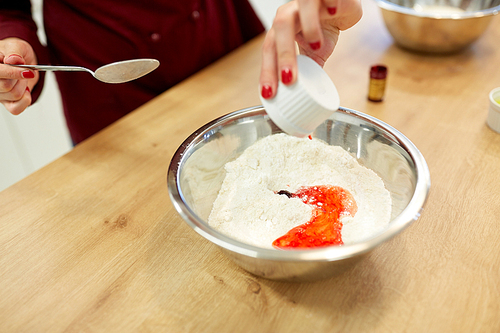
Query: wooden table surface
pixel 92 242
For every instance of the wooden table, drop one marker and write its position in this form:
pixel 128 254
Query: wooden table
pixel 92 243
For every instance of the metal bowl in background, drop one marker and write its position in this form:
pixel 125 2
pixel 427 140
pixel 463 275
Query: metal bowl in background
pixel 196 173
pixel 437 26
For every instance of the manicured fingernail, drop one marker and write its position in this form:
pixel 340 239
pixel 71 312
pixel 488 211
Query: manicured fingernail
pixel 332 10
pixel 286 75
pixel 315 46
pixel 266 92
pixel 28 89
pixel 28 74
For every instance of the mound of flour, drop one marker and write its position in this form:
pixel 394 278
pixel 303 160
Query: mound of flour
pixel 248 208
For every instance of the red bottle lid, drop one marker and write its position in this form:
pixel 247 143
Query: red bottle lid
pixel 378 72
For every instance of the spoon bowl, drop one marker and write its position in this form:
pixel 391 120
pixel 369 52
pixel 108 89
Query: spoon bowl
pixel 116 72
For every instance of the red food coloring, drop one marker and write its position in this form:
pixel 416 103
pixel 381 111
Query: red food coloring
pixel 324 228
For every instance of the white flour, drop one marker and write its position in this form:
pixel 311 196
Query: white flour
pixel 248 209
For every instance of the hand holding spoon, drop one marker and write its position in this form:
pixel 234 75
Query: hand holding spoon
pixel 116 72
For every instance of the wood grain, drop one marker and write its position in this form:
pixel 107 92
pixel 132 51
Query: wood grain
pixel 91 243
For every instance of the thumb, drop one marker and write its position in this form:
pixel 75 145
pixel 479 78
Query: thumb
pixel 13 59
pixel 13 55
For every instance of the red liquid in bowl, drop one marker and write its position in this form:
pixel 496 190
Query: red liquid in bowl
pixel 330 204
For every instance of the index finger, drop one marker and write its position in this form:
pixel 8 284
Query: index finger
pixel 15 73
pixel 13 53
pixel 285 27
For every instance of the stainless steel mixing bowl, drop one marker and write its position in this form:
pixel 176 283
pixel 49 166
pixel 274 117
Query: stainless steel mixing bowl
pixel 196 173
pixel 433 26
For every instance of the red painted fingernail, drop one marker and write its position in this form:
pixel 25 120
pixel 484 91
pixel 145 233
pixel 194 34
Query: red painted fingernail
pixel 286 75
pixel 266 92
pixel 28 89
pixel 332 10
pixel 315 46
pixel 28 74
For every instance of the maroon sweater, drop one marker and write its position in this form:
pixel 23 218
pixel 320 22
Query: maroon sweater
pixel 184 35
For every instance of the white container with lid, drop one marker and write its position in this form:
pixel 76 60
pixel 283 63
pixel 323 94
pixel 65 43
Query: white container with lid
pixel 494 110
pixel 301 107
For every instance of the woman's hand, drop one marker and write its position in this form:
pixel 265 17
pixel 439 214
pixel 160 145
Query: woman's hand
pixel 16 83
pixel 315 25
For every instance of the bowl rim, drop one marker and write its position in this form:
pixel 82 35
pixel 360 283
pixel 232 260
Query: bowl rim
pixel 331 253
pixel 390 6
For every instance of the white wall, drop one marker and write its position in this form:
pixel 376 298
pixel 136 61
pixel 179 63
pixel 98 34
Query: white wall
pixel 39 135
pixel 266 9
pixel 34 138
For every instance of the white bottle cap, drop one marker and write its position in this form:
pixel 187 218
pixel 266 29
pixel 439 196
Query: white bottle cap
pixel 494 110
pixel 299 108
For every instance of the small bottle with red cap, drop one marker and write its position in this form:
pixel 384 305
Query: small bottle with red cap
pixel 378 77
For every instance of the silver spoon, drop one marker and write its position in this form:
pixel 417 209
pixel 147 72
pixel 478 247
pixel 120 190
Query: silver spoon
pixel 116 72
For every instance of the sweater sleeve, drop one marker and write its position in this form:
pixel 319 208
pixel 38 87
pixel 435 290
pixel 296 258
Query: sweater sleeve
pixel 16 21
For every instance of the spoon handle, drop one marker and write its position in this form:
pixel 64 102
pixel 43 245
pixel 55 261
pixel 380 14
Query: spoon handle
pixel 55 68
